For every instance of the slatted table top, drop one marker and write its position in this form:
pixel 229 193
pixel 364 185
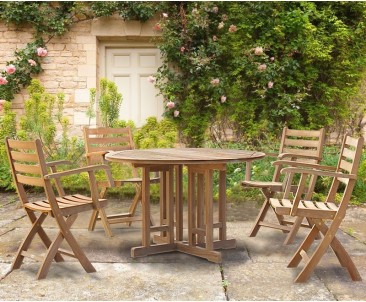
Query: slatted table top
pixel 183 156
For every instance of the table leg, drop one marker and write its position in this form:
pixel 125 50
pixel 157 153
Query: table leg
pixel 179 202
pixel 201 223
pixel 166 227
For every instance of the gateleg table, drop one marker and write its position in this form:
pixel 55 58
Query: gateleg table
pixel 201 164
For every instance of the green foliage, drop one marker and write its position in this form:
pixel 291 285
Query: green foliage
pixel 24 70
pixel 109 102
pixel 156 134
pixel 274 63
pixel 7 129
pixel 141 10
pixel 46 18
pixel 43 115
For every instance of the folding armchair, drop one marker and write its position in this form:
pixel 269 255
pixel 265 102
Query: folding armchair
pixel 98 142
pixel 29 168
pixel 296 145
pixel 319 213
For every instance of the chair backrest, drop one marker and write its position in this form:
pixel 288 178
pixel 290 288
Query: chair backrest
pixel 301 142
pixel 103 139
pixel 348 163
pixel 28 166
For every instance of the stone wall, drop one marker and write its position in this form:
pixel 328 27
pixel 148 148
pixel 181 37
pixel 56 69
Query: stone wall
pixel 72 63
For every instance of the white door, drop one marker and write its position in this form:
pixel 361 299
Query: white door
pixel 130 69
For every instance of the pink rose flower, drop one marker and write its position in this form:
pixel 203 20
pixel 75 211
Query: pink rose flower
pixel 270 84
pixel 214 38
pixel 224 17
pixel 176 113
pixel 170 104
pixel 157 27
pixel 215 82
pixel 215 9
pixel 223 99
pixel 262 67
pixel 165 15
pixel 258 51
pixel 272 59
pixel 3 80
pixel 151 79
pixel 32 62
pixel 42 52
pixel 182 49
pixel 2 103
pixel 221 25
pixel 10 69
pixel 233 28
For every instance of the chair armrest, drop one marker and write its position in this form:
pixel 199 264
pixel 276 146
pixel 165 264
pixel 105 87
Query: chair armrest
pixel 318 172
pixel 302 164
pixel 97 153
pixel 271 154
pixel 76 171
pixel 293 155
pixel 58 162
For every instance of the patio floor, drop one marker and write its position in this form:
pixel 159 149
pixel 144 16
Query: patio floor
pixel 255 270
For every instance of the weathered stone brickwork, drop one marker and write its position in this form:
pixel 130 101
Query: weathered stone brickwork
pixel 72 63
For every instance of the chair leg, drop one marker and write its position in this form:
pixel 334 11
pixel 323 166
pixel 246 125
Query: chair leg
pixel 18 260
pixel 78 252
pixel 305 245
pixel 294 229
pixel 262 213
pixel 105 222
pixel 311 263
pixel 52 250
pixel 343 257
pixel 136 200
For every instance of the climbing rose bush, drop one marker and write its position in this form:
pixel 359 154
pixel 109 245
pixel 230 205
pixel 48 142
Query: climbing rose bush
pixel 257 66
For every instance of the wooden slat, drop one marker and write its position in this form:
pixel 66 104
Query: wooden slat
pixel 346 166
pixel 25 157
pixel 107 148
pixel 301 143
pixel 35 207
pixel 300 151
pixel 109 140
pixel 104 131
pixel 322 206
pixel 28 180
pixel 348 153
pixel 351 141
pixel 303 133
pixel 309 205
pixel 32 169
pixel 26 145
pixel 332 206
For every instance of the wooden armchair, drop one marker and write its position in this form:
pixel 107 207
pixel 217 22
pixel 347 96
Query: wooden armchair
pixel 29 168
pixel 296 145
pixel 319 212
pixel 98 142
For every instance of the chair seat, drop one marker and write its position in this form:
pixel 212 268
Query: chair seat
pixel 70 204
pixel 273 185
pixel 313 209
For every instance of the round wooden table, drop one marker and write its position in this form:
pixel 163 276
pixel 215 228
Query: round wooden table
pixel 201 164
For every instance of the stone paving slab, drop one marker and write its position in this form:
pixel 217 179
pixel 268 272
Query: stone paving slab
pixel 255 270
pixel 117 281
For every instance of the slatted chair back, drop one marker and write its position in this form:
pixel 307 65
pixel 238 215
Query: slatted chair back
pixel 28 166
pixel 101 140
pixel 348 163
pixel 307 144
